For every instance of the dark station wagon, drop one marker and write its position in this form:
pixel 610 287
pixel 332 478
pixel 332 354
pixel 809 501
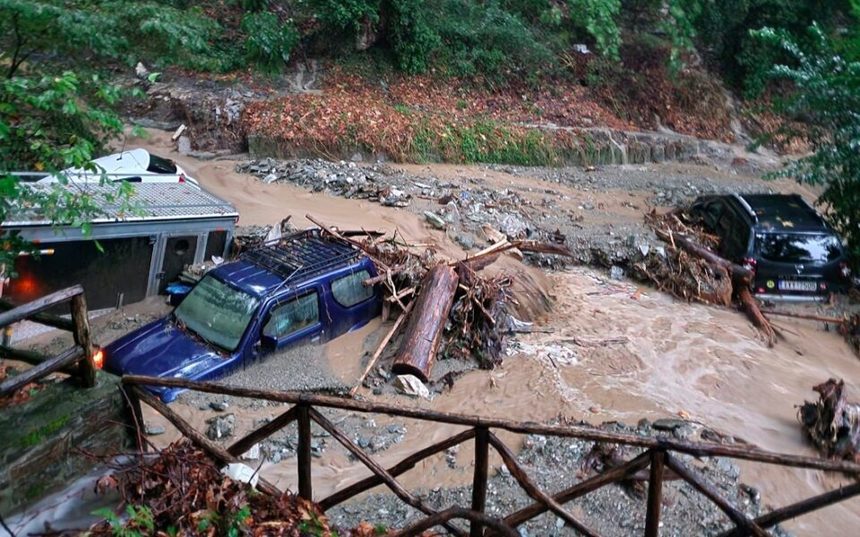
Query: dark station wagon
pixel 306 288
pixel 788 245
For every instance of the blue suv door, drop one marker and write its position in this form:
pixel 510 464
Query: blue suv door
pixel 294 317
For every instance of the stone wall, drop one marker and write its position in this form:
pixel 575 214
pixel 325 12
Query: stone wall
pixel 42 440
pixel 594 147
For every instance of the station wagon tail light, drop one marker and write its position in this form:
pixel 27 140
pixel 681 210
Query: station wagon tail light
pixel 844 270
pixel 749 263
pixel 181 177
pixel 822 286
pixel 99 358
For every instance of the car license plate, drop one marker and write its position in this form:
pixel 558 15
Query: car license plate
pixel 795 285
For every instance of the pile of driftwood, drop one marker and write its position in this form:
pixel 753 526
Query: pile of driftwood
pixel 183 492
pixel 832 423
pixel 692 271
pixel 446 307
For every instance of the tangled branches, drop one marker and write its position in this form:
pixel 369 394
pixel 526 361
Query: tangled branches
pixel 183 492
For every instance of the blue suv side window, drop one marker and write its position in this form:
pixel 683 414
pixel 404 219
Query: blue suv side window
pixel 292 316
pixel 349 290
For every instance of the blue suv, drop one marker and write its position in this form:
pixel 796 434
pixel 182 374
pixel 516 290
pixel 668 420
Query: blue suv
pixel 305 288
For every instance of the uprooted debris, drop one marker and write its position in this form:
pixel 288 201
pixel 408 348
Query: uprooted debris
pixel 692 271
pixel 183 491
pixel 448 308
pixel 832 423
pixel 850 330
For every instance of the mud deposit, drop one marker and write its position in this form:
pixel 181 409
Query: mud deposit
pixel 614 351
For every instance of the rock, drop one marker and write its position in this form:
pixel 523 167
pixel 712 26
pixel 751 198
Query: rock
pixel 513 226
pixel 153 430
pixel 140 71
pixel 383 374
pixel 203 155
pixel 221 426
pixel 252 454
pixel 412 386
pixel 668 424
pixel 464 240
pixel 356 157
pixel 183 145
pixel 271 178
pixel 434 219
pixel 219 406
pixel 616 272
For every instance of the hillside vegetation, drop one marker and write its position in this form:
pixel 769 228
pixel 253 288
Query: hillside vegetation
pixel 455 80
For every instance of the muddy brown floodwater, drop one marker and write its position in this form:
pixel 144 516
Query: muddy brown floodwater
pixel 615 352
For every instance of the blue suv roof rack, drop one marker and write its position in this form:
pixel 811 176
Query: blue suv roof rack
pixel 302 254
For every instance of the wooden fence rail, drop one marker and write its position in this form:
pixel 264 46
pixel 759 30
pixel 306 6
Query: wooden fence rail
pixel 659 457
pixel 77 360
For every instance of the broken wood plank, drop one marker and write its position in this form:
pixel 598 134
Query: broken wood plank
pixel 381 347
pixel 403 466
pixel 534 492
pixel 32 358
pixel 406 496
pixel 750 306
pixel 424 331
pixel 66 359
pixel 807 317
pixel 214 450
pixel 39 305
pixel 709 491
pixel 47 319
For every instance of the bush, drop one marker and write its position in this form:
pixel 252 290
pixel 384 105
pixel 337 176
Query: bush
pixel 412 39
pixel 827 93
pixel 486 39
pixel 268 42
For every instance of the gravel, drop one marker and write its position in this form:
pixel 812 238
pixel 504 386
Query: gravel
pixel 556 463
pixel 464 206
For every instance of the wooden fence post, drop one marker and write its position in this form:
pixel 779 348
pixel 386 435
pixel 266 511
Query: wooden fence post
pixel 479 481
pixel 304 453
pixel 655 493
pixel 86 367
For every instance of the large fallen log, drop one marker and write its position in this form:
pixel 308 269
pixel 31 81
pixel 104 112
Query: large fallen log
pixel 750 307
pixel 424 331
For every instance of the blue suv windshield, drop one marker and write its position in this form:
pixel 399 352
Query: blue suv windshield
pixel 799 247
pixel 217 312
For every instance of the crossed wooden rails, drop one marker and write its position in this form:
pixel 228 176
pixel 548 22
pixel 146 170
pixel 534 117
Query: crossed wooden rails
pixel 77 360
pixel 659 456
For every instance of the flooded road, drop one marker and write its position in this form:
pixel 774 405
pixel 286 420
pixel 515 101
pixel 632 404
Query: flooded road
pixel 615 352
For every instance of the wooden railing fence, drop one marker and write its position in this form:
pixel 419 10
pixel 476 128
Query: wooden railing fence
pixel 660 456
pixel 78 360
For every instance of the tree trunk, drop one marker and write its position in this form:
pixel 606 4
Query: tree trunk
pixel 424 332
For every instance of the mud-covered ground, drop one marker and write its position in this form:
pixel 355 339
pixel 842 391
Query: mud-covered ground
pixel 609 349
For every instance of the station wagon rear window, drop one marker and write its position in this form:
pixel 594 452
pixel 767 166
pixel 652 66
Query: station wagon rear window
pixel 217 312
pixel 798 248
pixel 349 290
pixel 160 165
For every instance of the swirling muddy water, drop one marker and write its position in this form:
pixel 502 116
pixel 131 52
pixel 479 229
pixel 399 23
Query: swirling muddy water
pixel 615 352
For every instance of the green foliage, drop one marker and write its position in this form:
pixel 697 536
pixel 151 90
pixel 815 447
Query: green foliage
pixel 410 36
pixel 269 42
pixel 827 93
pixel 49 123
pixel 345 14
pixel 140 523
pixel 112 29
pixel 485 39
pixel 599 18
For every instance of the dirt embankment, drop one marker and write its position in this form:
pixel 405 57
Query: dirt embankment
pixel 615 351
